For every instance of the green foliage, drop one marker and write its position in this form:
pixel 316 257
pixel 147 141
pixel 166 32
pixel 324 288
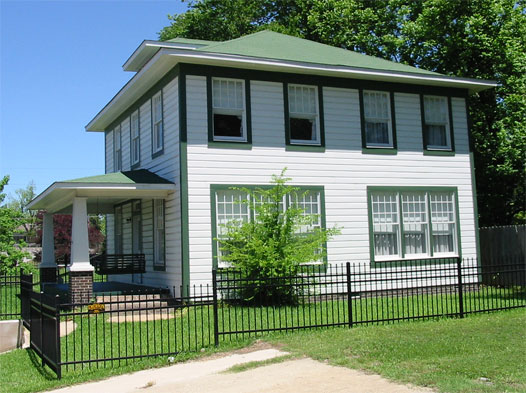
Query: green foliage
pixel 19 203
pixel 473 38
pixel 275 244
pixel 12 254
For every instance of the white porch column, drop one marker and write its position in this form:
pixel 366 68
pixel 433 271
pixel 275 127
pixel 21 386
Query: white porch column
pixel 48 266
pixel 79 237
pixel 48 243
pixel 80 270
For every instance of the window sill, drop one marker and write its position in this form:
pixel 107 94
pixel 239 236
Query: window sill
pixel 157 153
pixel 380 150
pixel 438 152
pixel 313 148
pixel 450 259
pixel 230 145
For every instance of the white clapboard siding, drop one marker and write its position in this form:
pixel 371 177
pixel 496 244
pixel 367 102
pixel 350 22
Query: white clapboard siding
pixel 343 170
pixel 165 165
pixel 108 140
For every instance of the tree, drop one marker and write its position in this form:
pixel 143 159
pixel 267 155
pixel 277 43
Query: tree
pixel 275 244
pixel 472 38
pixel 12 254
pixel 19 203
pixel 62 235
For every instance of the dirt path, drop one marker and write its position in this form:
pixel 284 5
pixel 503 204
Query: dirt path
pixel 203 376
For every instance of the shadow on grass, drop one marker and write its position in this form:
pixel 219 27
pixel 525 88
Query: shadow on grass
pixel 46 373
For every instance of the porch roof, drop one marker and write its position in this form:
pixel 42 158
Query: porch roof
pixel 102 191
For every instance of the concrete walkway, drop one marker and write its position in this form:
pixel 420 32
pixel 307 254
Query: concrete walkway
pixel 203 376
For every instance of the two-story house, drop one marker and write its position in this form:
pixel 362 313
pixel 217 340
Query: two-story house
pixel 382 148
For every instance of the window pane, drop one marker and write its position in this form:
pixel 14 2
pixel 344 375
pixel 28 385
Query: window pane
pixel 436 135
pixel 385 224
pixel 302 129
pixel 377 133
pixel 443 222
pixel 228 125
pixel 414 213
pixel 302 100
pixel 227 94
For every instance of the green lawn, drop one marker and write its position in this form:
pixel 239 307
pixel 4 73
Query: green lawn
pixel 481 353
pixel 450 355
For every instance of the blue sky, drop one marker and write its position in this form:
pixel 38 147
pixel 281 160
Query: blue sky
pixel 61 62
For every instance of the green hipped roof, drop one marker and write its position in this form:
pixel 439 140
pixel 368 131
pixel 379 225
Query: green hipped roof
pixel 140 176
pixel 182 40
pixel 271 45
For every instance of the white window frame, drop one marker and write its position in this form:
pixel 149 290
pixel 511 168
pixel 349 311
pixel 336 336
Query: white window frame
pixel 159 233
pixel 387 120
pixel 117 149
pixel 217 109
pixel 250 214
pixel 315 116
pixel 403 222
pixel 157 124
pixel 135 135
pixel 445 123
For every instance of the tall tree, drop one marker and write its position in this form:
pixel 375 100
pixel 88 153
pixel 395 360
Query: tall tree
pixel 22 197
pixel 467 38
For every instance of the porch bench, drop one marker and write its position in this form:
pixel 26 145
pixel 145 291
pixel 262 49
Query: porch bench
pixel 119 263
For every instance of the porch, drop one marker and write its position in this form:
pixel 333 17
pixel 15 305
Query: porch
pixel 95 195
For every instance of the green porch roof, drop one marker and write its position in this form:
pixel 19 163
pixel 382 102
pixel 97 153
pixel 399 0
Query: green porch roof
pixel 271 45
pixel 140 176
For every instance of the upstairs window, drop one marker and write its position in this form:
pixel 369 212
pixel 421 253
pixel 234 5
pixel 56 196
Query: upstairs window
pixel 135 138
pixel 228 110
pixel 304 119
pixel 437 134
pixel 378 128
pixel 117 149
pixel 157 123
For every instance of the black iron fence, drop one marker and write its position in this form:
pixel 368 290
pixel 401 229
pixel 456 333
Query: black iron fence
pixel 9 296
pixel 115 329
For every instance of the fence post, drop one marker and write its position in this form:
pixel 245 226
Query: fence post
pixel 349 297
pixel 57 330
pixel 460 289
pixel 214 294
pixel 41 328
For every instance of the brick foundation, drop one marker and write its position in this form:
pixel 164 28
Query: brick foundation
pixel 80 287
pixel 48 274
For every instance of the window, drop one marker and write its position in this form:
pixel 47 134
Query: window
pixel 437 133
pixel 229 208
pixel 228 110
pixel 377 126
pixel 135 138
pixel 157 123
pixel 158 234
pixel 413 224
pixel 229 205
pixel 118 223
pixel 117 149
pixel 304 119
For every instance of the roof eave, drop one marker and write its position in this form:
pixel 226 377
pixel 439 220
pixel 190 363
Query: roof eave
pixel 166 58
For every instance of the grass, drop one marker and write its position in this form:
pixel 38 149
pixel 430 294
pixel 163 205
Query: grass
pixel 22 371
pixel 450 355
pixel 483 353
pixel 239 368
